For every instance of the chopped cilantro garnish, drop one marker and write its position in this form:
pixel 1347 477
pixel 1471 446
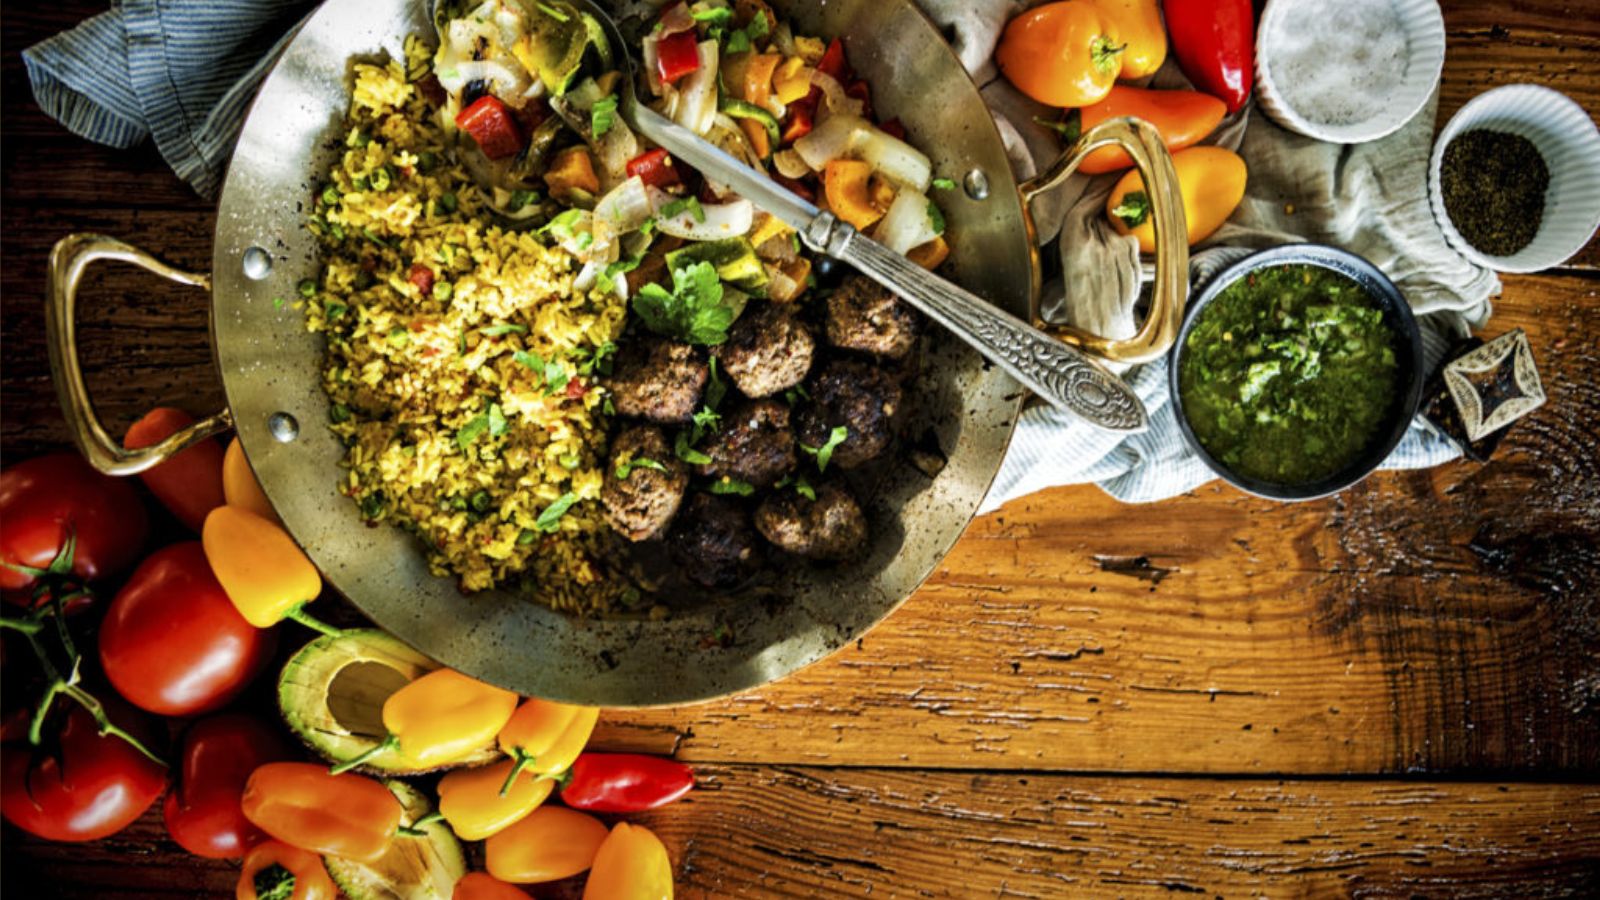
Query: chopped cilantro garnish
pixel 603 115
pixel 693 311
pixel 944 184
pixel 825 453
pixel 731 486
pixel 687 453
pixel 638 462
pixel 550 519
pixel 497 421
pixel 561 226
pixel 498 330
pixel 937 216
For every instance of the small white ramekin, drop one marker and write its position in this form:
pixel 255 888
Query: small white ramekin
pixel 1424 27
pixel 1570 144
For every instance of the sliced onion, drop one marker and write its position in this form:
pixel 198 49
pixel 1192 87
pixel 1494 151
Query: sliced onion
pixel 505 82
pixel 907 224
pixel 675 19
pixel 895 159
pixel 722 220
pixel 833 139
pixel 614 150
pixel 697 101
pixel 624 209
pixel 651 57
pixel 727 134
pixel 834 100
pixel 783 40
pixel 586 277
pixel 790 164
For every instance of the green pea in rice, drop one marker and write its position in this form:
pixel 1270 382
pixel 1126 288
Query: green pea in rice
pixel 453 402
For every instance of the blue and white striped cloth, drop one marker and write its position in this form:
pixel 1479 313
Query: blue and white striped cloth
pixel 183 72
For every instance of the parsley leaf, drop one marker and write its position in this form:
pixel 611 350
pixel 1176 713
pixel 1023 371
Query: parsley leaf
pixel 556 377
pixel 937 216
pixel 731 486
pixel 497 421
pixel 707 418
pixel 638 462
pixel 944 184
pixel 473 430
pixel 825 452
pixel 550 519
pixel 716 15
pixel 532 361
pixel 804 489
pixel 687 453
pixel 602 116
pixel 716 388
pixel 678 207
pixel 694 310
pixel 738 42
pixel 498 330
pixel 561 227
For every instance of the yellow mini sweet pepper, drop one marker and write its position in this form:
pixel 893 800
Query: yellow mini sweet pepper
pixel 632 864
pixel 544 738
pixel 473 802
pixel 262 569
pixel 440 718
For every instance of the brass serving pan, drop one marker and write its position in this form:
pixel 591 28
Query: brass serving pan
pixel 270 365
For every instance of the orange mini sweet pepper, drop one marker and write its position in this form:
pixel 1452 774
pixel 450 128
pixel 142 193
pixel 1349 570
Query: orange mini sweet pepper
pixel 477 804
pixel 439 719
pixel 544 738
pixel 302 805
pixel 549 844
pixel 632 864
pixel 240 487
pixel 1062 54
pixel 845 183
pixel 1212 181
pixel 262 569
pixel 276 871
pixel 483 886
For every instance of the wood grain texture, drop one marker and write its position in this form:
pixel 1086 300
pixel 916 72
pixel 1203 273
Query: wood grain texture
pixel 779 831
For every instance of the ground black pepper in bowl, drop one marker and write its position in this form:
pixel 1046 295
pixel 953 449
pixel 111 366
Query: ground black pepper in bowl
pixel 1494 184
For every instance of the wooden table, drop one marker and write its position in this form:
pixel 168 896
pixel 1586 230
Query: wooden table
pixel 1395 691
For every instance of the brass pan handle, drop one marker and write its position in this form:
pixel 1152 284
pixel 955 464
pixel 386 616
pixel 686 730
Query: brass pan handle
pixel 71 256
pixel 1143 144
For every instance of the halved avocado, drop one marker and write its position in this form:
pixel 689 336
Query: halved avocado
pixel 415 868
pixel 557 39
pixel 331 695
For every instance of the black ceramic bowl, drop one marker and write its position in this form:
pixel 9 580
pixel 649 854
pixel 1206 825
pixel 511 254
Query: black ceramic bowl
pixel 1408 355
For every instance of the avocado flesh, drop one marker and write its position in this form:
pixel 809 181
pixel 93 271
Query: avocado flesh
pixel 415 868
pixel 331 695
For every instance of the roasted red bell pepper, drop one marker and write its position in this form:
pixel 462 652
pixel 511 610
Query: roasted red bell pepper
pixel 421 278
pixel 655 168
pixel 1214 41
pixel 677 55
pixel 860 90
pixel 624 782
pixel 800 116
pixel 491 124
pixel 833 62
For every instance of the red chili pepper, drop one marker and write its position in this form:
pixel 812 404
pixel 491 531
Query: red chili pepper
pixel 421 277
pixel 833 61
pixel 798 188
pixel 491 125
pixel 655 168
pixel 676 56
pixel 1214 41
pixel 893 128
pixel 801 116
pixel 862 91
pixel 624 782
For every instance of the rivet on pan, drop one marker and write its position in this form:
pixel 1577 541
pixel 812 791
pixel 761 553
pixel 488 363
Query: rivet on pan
pixel 977 185
pixel 257 263
pixel 283 427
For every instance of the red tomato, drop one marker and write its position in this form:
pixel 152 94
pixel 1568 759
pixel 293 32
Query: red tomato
pixel 173 643
pixel 189 484
pixel 44 499
pixel 202 811
pixel 91 788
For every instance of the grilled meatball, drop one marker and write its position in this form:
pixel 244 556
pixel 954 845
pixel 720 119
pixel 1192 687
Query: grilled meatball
pixel 640 505
pixel 861 397
pixel 768 351
pixel 829 527
pixel 754 444
pixel 863 315
pixel 713 541
pixel 658 380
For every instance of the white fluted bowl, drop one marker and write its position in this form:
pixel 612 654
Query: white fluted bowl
pixel 1570 144
pixel 1424 29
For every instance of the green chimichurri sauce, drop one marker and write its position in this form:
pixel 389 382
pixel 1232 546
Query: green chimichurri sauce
pixel 1288 374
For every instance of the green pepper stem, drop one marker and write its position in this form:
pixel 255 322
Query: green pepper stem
pixel 300 615
pixel 389 743
pixel 94 707
pixel 523 760
pixel 415 829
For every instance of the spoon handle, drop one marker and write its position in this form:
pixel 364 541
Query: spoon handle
pixel 1059 373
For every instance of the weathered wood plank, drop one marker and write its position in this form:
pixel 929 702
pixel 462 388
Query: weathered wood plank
pixel 762 831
